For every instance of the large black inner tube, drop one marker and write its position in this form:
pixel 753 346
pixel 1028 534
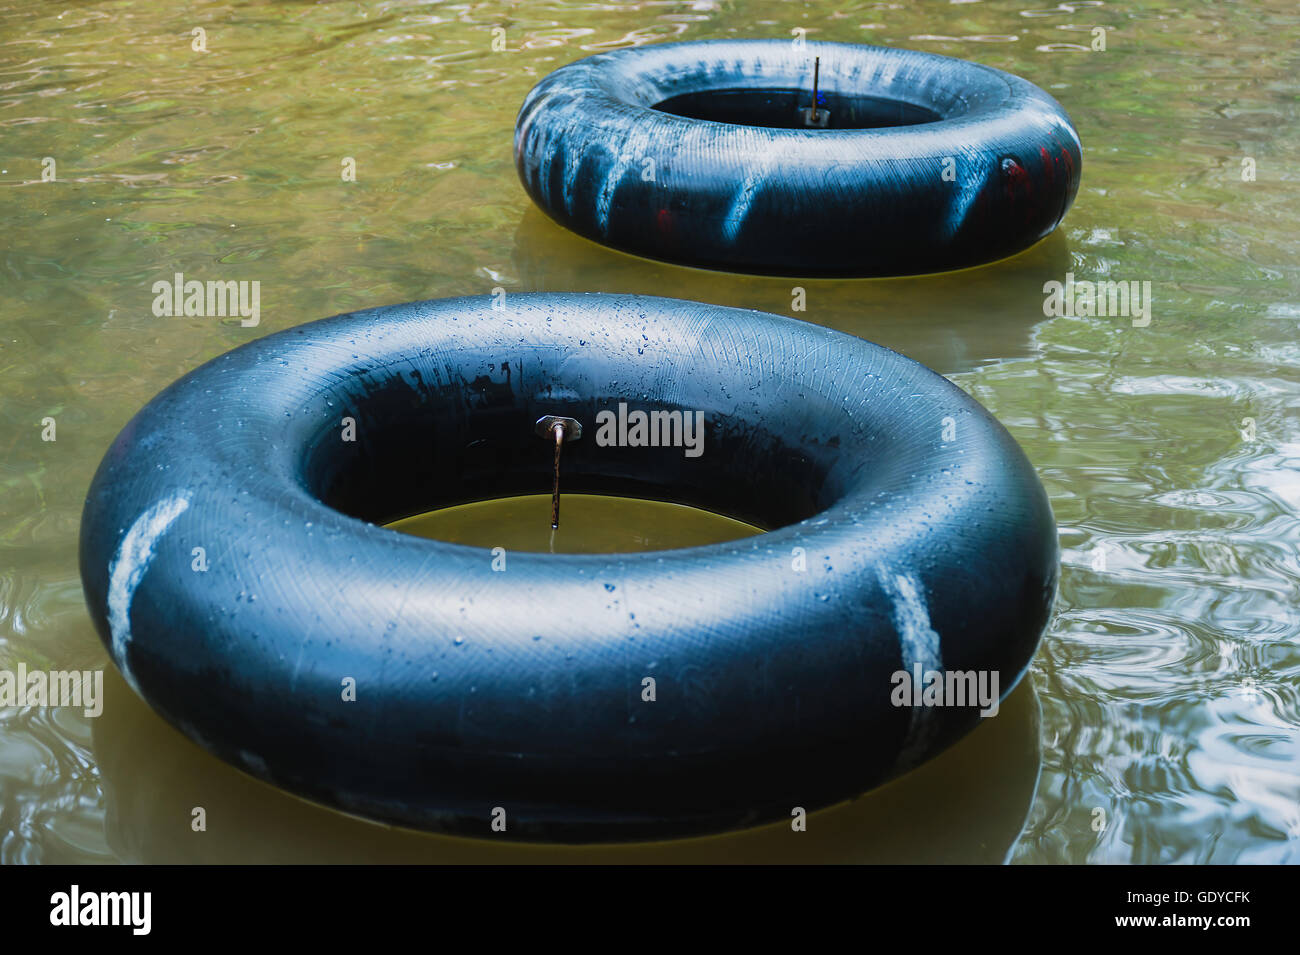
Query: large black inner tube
pixel 908 529
pixel 698 153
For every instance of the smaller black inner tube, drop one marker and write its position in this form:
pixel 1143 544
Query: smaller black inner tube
pixel 781 109
pixel 701 154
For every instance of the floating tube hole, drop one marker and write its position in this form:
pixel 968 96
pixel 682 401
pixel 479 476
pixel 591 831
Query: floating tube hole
pixel 425 448
pixel 782 109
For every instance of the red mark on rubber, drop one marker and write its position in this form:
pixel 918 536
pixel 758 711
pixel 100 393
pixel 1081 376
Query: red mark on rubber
pixel 1017 178
pixel 1069 161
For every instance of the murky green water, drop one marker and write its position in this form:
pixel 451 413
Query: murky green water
pixel 1162 722
pixel 589 524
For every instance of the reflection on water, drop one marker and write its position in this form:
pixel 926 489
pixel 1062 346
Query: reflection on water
pixel 153 777
pixel 1168 680
pixel 952 322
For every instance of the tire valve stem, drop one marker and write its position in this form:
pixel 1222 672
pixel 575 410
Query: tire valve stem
pixel 559 430
pixel 817 69
pixel 815 118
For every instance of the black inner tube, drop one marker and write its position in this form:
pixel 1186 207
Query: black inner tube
pixel 707 154
pixel 908 527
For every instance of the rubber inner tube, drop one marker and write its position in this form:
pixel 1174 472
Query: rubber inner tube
pixel 233 566
pixel 701 153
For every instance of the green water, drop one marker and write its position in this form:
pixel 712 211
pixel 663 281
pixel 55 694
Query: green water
pixel 589 524
pixel 1165 692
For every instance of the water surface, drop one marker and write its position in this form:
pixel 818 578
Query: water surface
pixel 589 524
pixel 1169 728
